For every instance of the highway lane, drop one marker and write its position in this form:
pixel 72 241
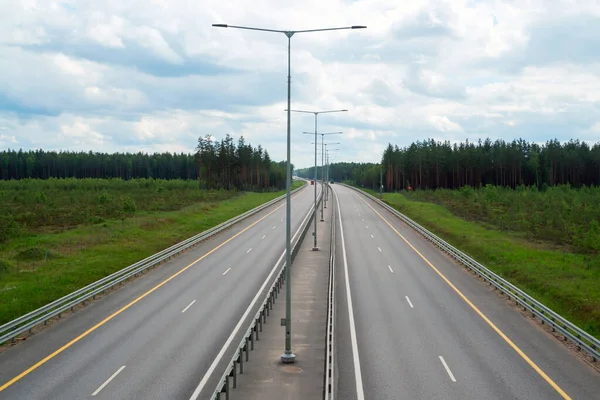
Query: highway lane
pixel 154 349
pixel 415 337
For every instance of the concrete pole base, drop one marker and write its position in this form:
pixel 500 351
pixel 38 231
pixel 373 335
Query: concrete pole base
pixel 315 248
pixel 288 358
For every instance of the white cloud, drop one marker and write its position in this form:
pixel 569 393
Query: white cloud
pixel 444 124
pixel 595 128
pixel 153 76
pixel 108 33
pixel 7 140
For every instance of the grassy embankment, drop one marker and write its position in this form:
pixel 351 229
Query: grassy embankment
pixel 545 242
pixel 59 235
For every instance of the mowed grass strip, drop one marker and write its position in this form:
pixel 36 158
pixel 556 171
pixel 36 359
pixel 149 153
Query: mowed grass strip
pixel 38 267
pixel 566 282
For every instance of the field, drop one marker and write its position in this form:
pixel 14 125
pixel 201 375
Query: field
pixel 58 235
pixel 544 242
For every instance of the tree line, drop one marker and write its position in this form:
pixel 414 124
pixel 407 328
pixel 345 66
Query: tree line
pixel 431 164
pixel 228 165
pixel 215 164
pixel 362 174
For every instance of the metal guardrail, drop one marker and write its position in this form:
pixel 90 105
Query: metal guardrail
pixel 27 322
pixel 328 390
pixel 583 340
pixel 256 326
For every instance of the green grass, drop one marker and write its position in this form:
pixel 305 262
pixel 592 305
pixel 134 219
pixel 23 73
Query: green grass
pixel 46 261
pixel 567 282
pixel 561 215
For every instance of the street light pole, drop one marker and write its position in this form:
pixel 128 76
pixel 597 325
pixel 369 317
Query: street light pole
pixel 326 167
pixel 288 356
pixel 316 113
pixel 322 150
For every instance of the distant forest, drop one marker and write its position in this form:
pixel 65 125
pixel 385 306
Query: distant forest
pixel 215 164
pixel 429 164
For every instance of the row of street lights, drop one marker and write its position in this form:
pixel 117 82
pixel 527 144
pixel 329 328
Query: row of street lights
pixel 288 356
pixel 327 171
pixel 324 173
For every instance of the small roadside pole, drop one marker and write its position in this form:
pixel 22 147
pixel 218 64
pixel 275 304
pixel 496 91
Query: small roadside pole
pixel 381 184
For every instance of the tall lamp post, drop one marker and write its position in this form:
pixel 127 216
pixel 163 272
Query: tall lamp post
pixel 326 167
pixel 288 356
pixel 316 114
pixel 322 158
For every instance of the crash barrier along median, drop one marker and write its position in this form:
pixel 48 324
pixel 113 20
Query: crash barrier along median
pixel 241 354
pixel 328 388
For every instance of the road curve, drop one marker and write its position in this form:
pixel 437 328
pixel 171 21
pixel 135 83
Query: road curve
pixel 164 341
pixel 403 332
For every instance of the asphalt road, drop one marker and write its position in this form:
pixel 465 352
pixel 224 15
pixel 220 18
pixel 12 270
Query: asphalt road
pixel 404 333
pixel 162 345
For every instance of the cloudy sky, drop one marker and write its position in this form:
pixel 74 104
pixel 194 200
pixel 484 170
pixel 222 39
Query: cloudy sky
pixel 153 75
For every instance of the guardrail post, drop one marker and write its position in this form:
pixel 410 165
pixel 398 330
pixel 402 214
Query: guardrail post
pixel 260 318
pixel 247 349
pixel 227 387
pixel 234 373
pixel 241 359
pixel 252 339
pixel 256 330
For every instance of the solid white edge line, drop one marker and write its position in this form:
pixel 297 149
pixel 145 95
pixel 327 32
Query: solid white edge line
pixel 189 305
pixel 228 269
pixel 409 302
pixel 391 270
pixel 447 369
pixel 264 236
pixel 108 380
pixel 379 248
pixel 249 250
pixel 360 394
pixel 219 356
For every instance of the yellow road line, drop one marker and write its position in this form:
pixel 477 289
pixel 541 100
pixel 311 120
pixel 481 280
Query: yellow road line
pixel 105 320
pixel 481 314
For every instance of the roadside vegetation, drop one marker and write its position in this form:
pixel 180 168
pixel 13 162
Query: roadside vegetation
pixel 57 235
pixel 547 243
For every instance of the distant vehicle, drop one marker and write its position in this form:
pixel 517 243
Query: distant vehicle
pixel 312 182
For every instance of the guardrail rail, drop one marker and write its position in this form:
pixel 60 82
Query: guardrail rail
pixel 328 389
pixel 27 322
pixel 229 378
pixel 583 340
